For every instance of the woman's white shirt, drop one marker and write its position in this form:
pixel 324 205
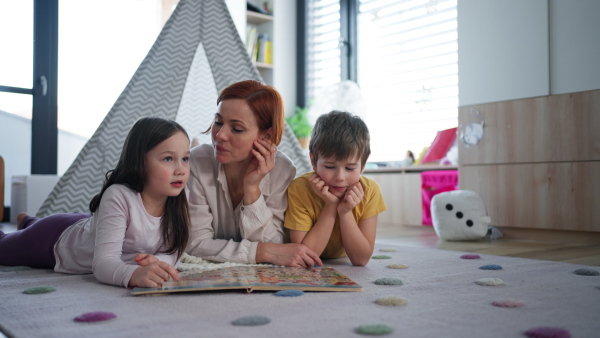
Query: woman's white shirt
pixel 222 232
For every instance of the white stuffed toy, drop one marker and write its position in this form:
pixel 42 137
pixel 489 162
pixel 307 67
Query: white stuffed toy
pixel 459 215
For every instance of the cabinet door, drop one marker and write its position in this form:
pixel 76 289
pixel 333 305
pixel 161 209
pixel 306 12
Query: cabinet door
pixel 502 50
pixel 575 47
pixel 402 195
pixel 558 196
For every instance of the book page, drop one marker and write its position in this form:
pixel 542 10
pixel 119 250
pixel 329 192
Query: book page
pixel 257 278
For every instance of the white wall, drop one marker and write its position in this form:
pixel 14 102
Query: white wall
pixel 502 50
pixel 513 49
pixel 237 10
pixel 15 149
pixel 575 46
pixel 284 52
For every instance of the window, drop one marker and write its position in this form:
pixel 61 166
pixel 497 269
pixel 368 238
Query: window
pixel 101 45
pixel 407 69
pixel 323 53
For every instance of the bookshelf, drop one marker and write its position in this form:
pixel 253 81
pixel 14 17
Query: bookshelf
pixel 262 43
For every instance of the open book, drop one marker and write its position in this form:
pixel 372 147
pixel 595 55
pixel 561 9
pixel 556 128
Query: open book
pixel 257 278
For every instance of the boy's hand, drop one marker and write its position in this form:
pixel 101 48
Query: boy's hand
pixel 322 190
pixel 153 275
pixel 354 195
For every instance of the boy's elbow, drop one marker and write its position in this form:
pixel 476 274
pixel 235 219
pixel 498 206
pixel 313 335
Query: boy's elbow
pixel 361 261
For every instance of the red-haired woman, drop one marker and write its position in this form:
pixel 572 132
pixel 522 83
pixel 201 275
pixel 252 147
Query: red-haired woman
pixel 238 183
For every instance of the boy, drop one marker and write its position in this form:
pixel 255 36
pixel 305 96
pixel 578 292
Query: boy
pixel 334 209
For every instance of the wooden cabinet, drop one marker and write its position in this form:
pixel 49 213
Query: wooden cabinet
pixel 538 163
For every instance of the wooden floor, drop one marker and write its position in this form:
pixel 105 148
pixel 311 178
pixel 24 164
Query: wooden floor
pixel 424 236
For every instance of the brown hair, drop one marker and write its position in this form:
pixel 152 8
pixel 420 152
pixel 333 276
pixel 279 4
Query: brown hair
pixel 265 102
pixel 340 134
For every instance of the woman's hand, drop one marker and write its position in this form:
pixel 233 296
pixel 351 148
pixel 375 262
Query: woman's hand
pixel 354 195
pixel 153 274
pixel 263 162
pixel 322 190
pixel 289 254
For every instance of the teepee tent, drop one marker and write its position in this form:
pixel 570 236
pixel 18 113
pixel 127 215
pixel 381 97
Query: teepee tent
pixel 197 54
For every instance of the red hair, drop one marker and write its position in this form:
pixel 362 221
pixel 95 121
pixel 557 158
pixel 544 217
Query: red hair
pixel 265 102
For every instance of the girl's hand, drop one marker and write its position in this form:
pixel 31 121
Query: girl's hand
pixel 322 190
pixel 354 195
pixel 145 259
pixel 263 162
pixel 153 275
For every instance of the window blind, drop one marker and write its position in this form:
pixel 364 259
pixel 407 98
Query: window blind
pixel 323 54
pixel 408 73
pixel 407 64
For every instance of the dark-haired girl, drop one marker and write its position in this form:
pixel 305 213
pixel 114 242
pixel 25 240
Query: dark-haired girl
pixel 139 222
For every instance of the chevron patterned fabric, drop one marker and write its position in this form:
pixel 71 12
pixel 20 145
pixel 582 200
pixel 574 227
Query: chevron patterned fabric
pixel 197 54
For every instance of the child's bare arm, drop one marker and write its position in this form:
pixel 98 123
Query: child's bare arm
pixel 358 239
pixel 318 236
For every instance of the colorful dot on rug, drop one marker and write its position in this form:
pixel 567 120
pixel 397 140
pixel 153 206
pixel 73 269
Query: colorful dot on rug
pixel 586 272
pixel 512 302
pixel 374 329
pixel 381 257
pixel 389 281
pixel 391 300
pixel 489 281
pixel 289 293
pixel 491 267
pixel 547 332
pixel 387 250
pixel 96 316
pixel 470 256
pixel 36 290
pixel 397 266
pixel 251 321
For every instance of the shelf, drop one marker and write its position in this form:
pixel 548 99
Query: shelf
pixel 258 18
pixel 411 169
pixel 261 65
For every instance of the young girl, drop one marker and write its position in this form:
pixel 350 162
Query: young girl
pixel 139 223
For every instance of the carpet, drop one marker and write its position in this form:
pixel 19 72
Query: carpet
pixel 442 299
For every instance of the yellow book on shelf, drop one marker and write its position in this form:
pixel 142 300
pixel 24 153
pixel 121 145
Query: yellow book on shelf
pixel 269 52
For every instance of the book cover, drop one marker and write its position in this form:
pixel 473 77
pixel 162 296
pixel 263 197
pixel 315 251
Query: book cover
pixel 250 38
pixel 269 53
pixel 250 278
pixel 261 45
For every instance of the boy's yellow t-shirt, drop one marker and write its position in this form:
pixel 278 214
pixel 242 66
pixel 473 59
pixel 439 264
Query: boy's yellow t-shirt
pixel 304 208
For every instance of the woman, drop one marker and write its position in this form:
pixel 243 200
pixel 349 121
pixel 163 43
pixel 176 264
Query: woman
pixel 238 184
